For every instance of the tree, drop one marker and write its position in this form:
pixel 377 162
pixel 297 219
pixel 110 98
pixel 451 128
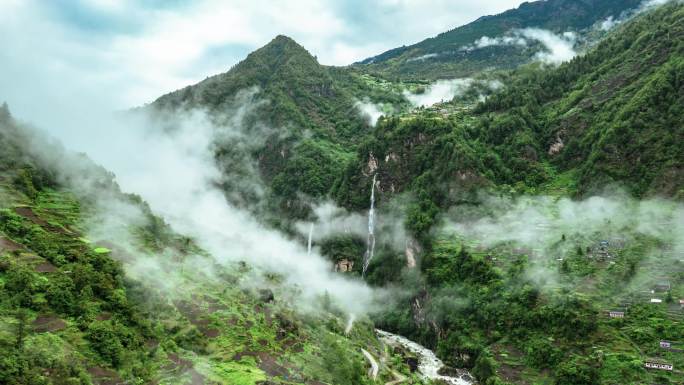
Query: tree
pixel 485 366
pixel 22 317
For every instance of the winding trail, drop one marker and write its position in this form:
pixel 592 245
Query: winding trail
pixel 428 363
pixel 373 372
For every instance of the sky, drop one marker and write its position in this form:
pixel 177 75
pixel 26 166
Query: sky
pixel 117 54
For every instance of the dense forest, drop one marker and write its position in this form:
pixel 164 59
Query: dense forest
pixel 528 230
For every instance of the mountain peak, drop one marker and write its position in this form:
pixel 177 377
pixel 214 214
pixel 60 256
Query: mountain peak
pixel 283 45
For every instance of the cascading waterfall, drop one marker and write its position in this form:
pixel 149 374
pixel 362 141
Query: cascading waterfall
pixel 428 363
pixel 370 248
pixel 308 247
pixel 350 324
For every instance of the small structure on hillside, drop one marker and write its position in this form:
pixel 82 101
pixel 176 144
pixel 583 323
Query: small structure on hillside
pixel 681 303
pixel 657 363
pixel 601 250
pixel 344 265
pixel 665 344
pixel 662 287
pixel 616 313
pixel 656 300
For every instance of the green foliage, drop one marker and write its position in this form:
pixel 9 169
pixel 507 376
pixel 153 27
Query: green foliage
pixel 578 371
pixel 446 56
pixel 341 368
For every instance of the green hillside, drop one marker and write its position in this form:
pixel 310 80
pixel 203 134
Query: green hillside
pixel 611 117
pixel 529 231
pixel 444 56
pixel 73 310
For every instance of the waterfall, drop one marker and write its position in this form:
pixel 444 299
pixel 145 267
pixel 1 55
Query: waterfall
pixel 428 363
pixel 311 229
pixel 370 247
pixel 350 324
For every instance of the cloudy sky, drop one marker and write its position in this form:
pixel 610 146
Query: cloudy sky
pixel 114 54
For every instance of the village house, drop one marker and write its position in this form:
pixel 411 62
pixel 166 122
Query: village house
pixel 616 314
pixel 662 286
pixel 655 363
pixel 665 344
pixel 681 303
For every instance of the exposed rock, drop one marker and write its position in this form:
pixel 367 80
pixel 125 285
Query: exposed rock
pixel 344 265
pixel 557 146
pixel 411 251
pixel 412 363
pixel 372 165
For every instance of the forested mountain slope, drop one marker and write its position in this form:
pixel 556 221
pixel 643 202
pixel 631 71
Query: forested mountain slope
pixel 303 118
pixel 615 114
pixel 612 117
pixel 95 289
pixel 456 53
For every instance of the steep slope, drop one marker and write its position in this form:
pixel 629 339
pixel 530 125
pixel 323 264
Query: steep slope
pixel 456 53
pixel 126 303
pixel 614 115
pixel 298 91
pixel 611 117
pixel 302 120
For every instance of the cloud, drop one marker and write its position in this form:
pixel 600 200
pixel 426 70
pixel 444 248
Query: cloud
pixel 371 111
pixel 439 91
pixel 557 48
pixel 608 23
pixel 539 222
pixel 486 41
pixel 423 57
pixel 120 54
pixel 169 162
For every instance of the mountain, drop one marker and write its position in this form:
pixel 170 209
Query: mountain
pixel 90 295
pixel 301 92
pixel 302 118
pixel 456 53
pixel 610 117
pixel 614 115
pixel 529 232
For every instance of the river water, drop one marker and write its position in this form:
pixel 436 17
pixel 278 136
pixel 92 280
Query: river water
pixel 428 363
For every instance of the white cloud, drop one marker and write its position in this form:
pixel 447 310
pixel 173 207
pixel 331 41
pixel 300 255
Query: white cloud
pixel 439 91
pixel 128 54
pixel 371 111
pixel 608 23
pixel 423 57
pixel 559 48
pixel 486 41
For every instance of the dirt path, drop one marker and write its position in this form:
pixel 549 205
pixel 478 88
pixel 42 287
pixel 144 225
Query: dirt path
pixel 373 372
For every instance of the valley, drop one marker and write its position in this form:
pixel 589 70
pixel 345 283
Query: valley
pixel 500 204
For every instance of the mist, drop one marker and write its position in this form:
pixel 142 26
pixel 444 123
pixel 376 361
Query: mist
pixel 557 48
pixel 371 111
pixel 329 221
pixel 169 162
pixel 439 91
pixel 550 228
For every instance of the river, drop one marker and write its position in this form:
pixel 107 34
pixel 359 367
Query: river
pixel 428 363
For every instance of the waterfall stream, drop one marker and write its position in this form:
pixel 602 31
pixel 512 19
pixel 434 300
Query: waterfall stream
pixel 311 230
pixel 370 247
pixel 428 363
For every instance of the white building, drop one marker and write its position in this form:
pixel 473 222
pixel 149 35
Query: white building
pixel 658 364
pixel 616 314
